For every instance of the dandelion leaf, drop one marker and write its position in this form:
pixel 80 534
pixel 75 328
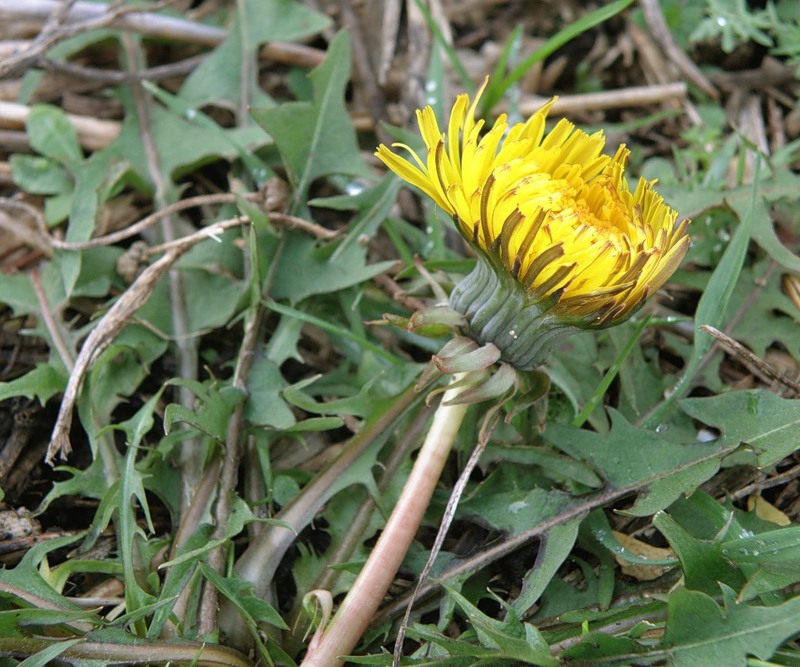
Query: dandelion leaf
pixel 699 632
pixel 640 460
pixel 767 424
pixel 317 138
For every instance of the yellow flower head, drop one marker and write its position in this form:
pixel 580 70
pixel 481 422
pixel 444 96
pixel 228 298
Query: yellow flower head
pixel 549 210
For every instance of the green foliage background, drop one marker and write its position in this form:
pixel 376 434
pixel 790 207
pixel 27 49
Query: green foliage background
pixel 533 574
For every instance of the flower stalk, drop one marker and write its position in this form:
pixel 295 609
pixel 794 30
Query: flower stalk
pixel 362 601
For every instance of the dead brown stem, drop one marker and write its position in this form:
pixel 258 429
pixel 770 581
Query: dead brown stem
pixel 756 364
pixel 93 133
pixel 635 96
pixel 663 35
pixel 84 16
pixel 111 324
pixel 51 324
pixel 81 17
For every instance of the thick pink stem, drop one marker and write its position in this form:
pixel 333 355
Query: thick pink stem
pixel 369 589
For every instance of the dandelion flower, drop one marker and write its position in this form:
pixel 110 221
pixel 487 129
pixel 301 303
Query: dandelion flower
pixel 562 242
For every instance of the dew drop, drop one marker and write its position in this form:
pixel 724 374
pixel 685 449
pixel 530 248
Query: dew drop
pixel 353 188
pixel 705 435
pixel 518 506
pixel 430 92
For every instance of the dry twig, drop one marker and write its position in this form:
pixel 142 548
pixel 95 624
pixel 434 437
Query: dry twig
pixel 93 133
pixel 84 16
pixel 756 364
pixel 634 96
pixel 663 35
pixel 112 323
pixel 51 324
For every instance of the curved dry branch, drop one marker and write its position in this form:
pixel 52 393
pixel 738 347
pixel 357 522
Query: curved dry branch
pixel 112 323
